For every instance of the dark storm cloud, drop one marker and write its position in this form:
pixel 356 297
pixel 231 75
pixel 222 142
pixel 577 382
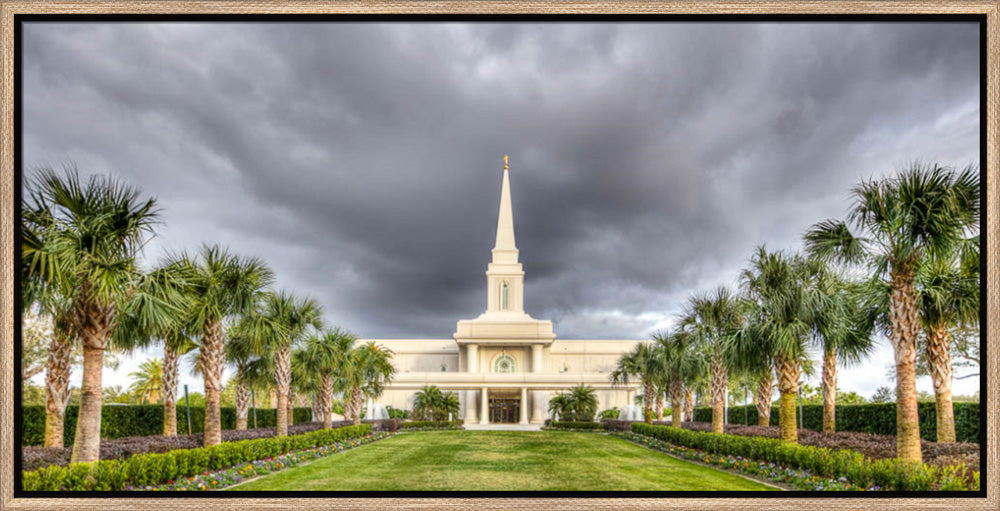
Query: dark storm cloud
pixel 362 161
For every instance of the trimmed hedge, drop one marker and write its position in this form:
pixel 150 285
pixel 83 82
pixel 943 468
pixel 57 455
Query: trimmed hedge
pixel 876 418
pixel 141 420
pixel 151 469
pixel 432 425
pixel 886 474
pixel 575 425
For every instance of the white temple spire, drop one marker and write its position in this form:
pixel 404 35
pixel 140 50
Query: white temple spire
pixel 505 220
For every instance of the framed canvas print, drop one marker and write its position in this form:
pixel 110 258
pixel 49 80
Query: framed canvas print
pixel 499 254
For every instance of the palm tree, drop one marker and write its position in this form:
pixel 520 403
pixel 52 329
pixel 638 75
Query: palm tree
pixel 175 345
pixel 83 237
pixel 949 298
pixel 365 371
pixel 222 286
pixel 643 363
pixel 432 404
pixel 842 329
pixel 148 380
pixel 281 322
pixel 898 222
pixel 253 369
pixel 584 402
pixel 681 363
pixel 780 318
pixel 324 355
pixel 712 318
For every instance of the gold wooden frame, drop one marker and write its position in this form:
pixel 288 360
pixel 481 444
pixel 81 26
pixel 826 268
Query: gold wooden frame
pixel 10 8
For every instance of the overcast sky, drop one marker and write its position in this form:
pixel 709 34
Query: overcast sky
pixel 362 161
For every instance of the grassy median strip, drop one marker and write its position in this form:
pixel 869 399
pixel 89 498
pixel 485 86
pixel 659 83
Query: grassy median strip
pixel 501 461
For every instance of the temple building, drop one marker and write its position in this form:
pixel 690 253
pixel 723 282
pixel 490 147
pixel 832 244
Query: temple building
pixel 505 364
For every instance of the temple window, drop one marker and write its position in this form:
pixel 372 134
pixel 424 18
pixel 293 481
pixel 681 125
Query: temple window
pixel 503 296
pixel 504 364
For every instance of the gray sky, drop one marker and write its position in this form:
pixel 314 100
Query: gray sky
pixel 363 161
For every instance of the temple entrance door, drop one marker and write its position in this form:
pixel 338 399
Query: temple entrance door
pixel 504 410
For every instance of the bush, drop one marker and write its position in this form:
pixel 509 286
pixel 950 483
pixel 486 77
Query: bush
pixel 432 425
pixel 589 425
pixel 141 420
pixel 610 413
pixel 876 418
pixel 396 413
pixel 152 469
pixel 888 474
pixel 616 425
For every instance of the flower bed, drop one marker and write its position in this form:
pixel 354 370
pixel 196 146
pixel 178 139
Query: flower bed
pixel 430 425
pixel 35 457
pixel 573 426
pixel 153 469
pixel 854 467
pixel 872 446
pixel 242 472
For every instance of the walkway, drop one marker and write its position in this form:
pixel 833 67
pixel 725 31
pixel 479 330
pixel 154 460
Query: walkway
pixel 504 427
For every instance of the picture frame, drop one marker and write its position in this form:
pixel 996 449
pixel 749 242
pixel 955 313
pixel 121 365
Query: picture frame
pixel 11 11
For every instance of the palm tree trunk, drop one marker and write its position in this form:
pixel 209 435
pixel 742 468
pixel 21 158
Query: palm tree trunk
pixel 170 376
pixel 291 406
pixel 689 405
pixel 829 391
pixel 87 443
pixel 659 406
pixel 904 324
pixel 327 399
pixel 282 380
pixel 94 324
pixel 763 398
pixel 316 410
pixel 676 401
pixel 719 384
pixel 213 359
pixel 788 385
pixel 242 401
pixel 939 361
pixel 648 396
pixel 57 372
pixel 356 397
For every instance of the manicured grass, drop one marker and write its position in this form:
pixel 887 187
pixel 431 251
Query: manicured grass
pixel 504 461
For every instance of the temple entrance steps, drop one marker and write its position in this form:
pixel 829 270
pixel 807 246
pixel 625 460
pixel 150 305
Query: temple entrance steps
pixel 503 427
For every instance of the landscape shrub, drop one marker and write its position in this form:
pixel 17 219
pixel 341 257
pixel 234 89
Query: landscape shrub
pixel 34 457
pixel 876 418
pixel 589 425
pixel 150 469
pixel 432 425
pixel 616 425
pixel 387 425
pixel 396 413
pixel 887 474
pixel 141 420
pixel 610 413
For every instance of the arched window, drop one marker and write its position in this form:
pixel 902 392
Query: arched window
pixel 503 296
pixel 504 364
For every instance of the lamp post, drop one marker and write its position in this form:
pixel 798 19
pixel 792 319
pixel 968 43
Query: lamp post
pixel 187 407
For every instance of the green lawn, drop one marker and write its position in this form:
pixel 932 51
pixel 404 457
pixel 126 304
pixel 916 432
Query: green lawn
pixel 501 460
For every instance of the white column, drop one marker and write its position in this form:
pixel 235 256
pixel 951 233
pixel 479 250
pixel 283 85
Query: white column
pixel 472 356
pixel 484 407
pixel 524 405
pixel 538 397
pixel 472 366
pixel 538 405
pixel 628 396
pixel 471 410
